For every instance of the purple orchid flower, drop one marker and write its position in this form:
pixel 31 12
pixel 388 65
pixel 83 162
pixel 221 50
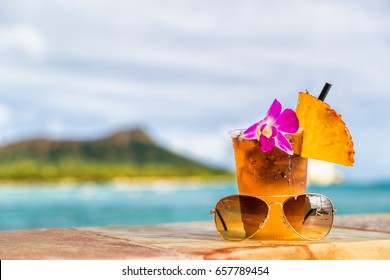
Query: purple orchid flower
pixel 271 130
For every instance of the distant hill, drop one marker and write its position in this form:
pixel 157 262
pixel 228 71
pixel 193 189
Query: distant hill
pixel 124 154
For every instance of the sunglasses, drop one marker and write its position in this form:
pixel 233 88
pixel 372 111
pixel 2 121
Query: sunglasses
pixel 238 217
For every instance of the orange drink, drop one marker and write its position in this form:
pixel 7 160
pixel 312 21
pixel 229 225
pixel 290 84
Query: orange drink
pixel 269 173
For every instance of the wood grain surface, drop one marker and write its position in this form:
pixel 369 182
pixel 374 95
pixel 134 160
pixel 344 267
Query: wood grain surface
pixel 362 237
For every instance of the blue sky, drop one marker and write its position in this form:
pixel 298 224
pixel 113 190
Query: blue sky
pixel 188 71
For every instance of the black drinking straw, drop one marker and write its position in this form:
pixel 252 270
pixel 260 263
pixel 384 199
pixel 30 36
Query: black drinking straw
pixel 324 91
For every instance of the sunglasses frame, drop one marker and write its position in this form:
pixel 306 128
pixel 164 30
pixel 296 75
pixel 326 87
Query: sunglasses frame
pixel 216 213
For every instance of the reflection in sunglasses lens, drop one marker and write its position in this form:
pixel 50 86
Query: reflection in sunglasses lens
pixel 310 215
pixel 238 216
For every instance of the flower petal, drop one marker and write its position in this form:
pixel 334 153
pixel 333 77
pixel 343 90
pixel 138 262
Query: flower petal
pixel 274 111
pixel 287 122
pixel 266 144
pixel 251 132
pixel 282 143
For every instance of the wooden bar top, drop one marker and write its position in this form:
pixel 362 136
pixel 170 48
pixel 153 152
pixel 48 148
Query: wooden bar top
pixel 353 237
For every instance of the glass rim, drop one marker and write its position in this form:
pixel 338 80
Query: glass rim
pixel 234 133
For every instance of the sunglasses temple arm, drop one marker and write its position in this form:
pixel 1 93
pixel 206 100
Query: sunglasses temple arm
pixel 222 221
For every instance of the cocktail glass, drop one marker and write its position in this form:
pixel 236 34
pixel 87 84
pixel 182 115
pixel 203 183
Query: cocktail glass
pixel 271 175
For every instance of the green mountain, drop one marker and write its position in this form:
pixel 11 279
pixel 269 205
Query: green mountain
pixel 124 154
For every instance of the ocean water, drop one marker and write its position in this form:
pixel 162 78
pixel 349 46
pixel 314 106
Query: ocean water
pixel 140 203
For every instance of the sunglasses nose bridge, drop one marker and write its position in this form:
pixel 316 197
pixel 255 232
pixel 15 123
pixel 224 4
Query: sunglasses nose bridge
pixel 275 209
pixel 275 202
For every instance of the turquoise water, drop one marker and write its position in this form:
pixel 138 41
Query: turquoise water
pixel 78 205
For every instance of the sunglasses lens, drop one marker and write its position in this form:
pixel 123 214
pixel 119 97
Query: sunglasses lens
pixel 238 216
pixel 311 215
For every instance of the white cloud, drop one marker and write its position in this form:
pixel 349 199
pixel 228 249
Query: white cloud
pixel 213 147
pixel 23 38
pixel 5 115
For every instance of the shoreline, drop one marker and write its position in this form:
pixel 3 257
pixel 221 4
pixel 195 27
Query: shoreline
pixel 121 180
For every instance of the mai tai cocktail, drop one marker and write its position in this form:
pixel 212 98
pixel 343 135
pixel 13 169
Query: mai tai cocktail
pixel 271 159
